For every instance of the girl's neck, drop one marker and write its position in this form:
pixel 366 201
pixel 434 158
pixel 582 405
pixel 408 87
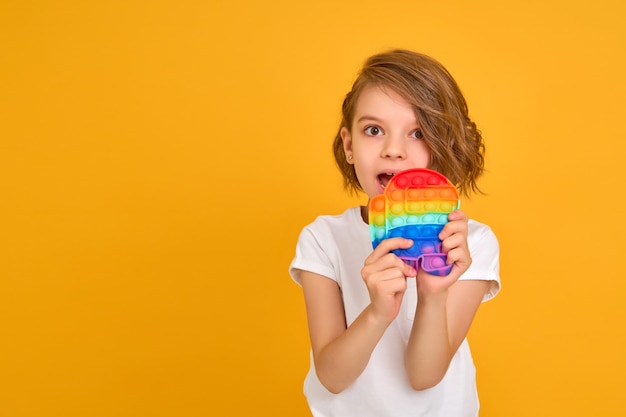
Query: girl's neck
pixel 365 214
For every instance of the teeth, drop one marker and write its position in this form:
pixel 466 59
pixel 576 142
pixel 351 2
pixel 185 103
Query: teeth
pixel 385 178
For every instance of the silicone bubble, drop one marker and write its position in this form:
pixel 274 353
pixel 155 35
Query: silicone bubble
pixel 415 205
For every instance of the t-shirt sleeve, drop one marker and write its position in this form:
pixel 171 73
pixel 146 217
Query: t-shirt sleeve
pixel 310 256
pixel 485 251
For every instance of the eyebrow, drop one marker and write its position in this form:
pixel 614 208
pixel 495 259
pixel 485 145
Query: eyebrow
pixel 369 118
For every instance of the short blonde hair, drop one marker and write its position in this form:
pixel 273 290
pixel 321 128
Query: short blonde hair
pixel 456 145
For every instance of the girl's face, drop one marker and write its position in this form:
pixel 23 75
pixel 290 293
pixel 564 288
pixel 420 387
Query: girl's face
pixel 384 139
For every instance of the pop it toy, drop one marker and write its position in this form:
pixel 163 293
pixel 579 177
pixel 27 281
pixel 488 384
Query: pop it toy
pixel 415 205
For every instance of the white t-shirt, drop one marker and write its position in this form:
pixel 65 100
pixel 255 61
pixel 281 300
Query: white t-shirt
pixel 336 247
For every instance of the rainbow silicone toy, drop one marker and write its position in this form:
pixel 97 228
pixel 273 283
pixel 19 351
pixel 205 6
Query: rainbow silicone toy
pixel 415 205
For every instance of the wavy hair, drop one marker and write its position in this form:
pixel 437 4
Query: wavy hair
pixel 456 145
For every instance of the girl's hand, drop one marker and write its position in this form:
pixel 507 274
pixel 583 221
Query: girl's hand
pixel 385 277
pixel 454 244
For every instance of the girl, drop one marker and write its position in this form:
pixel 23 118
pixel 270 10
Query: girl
pixel 387 339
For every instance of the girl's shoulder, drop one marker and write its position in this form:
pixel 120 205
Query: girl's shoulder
pixel 477 227
pixel 349 218
pixel 344 229
pixel 478 231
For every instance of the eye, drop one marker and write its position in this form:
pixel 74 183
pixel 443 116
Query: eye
pixel 373 131
pixel 417 134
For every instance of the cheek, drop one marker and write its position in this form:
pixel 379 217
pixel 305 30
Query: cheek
pixel 365 177
pixel 359 172
pixel 422 156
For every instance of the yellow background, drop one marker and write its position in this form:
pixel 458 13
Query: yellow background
pixel 159 158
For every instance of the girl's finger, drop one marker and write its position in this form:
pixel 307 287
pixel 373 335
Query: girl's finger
pixel 387 246
pixel 388 261
pixel 454 241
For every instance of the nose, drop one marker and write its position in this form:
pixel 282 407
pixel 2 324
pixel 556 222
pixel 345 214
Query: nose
pixel 394 148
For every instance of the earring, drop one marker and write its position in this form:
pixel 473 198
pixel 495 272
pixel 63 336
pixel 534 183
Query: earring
pixel 349 157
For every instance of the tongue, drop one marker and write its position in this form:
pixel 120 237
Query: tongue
pixel 384 179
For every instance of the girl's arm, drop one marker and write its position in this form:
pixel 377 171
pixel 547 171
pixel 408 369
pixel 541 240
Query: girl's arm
pixel 445 310
pixel 341 353
pixel 440 326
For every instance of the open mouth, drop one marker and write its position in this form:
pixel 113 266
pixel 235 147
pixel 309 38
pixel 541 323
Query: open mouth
pixel 384 178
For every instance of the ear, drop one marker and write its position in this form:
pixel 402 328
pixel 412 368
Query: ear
pixel 346 138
